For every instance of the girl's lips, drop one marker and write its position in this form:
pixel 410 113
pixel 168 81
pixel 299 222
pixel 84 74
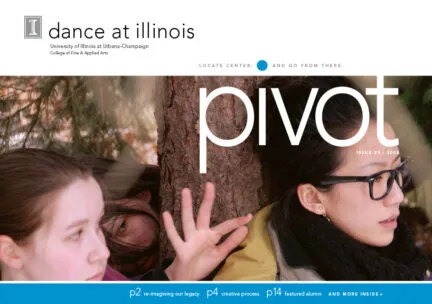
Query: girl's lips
pixel 391 222
pixel 391 218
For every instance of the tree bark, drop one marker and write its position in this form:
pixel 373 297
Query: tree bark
pixel 235 171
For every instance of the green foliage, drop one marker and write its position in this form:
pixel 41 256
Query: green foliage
pixel 417 96
pixel 58 113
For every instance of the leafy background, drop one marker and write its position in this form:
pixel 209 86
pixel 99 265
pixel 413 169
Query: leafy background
pixel 77 115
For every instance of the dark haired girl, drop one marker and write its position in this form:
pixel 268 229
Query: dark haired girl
pixel 335 214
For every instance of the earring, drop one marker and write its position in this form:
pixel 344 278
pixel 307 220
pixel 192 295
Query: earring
pixel 326 217
pixel 324 214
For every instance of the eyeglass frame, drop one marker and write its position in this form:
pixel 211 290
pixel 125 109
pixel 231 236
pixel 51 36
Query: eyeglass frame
pixel 333 180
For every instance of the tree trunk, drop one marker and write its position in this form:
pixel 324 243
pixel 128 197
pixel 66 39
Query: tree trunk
pixel 235 171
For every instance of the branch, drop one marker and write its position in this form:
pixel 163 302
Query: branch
pixel 18 111
pixel 101 104
pixel 6 141
pixel 33 123
pixel 76 138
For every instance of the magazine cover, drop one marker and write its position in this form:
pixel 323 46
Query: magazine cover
pixel 145 159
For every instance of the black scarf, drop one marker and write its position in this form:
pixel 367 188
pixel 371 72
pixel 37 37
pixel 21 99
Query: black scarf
pixel 338 257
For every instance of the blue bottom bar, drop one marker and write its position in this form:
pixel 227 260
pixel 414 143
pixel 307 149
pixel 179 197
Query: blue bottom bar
pixel 144 292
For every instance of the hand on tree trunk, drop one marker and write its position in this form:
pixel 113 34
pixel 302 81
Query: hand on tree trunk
pixel 198 255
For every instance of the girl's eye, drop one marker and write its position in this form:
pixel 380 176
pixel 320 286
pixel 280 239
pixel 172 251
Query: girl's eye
pixel 76 236
pixel 378 178
pixel 122 226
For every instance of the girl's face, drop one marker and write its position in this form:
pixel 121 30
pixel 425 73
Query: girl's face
pixel 141 229
pixel 70 244
pixel 135 229
pixel 349 205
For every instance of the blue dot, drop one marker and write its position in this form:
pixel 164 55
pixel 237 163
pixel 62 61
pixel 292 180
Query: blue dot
pixel 262 65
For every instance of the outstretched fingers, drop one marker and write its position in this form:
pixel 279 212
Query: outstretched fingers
pixel 231 242
pixel 188 222
pixel 171 231
pixel 204 214
pixel 232 224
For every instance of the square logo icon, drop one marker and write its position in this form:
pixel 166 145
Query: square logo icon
pixel 32 27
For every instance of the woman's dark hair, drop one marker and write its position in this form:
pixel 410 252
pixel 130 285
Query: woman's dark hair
pixel 414 216
pixel 121 181
pixel 285 166
pixel 27 178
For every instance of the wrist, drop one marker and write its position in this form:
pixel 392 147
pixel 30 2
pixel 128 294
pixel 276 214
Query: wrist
pixel 172 272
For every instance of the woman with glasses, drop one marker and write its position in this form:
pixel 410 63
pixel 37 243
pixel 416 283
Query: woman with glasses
pixel 335 214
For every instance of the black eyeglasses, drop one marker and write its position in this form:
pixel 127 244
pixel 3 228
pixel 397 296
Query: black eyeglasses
pixel 380 183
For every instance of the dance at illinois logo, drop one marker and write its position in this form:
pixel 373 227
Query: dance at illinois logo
pixel 32 27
